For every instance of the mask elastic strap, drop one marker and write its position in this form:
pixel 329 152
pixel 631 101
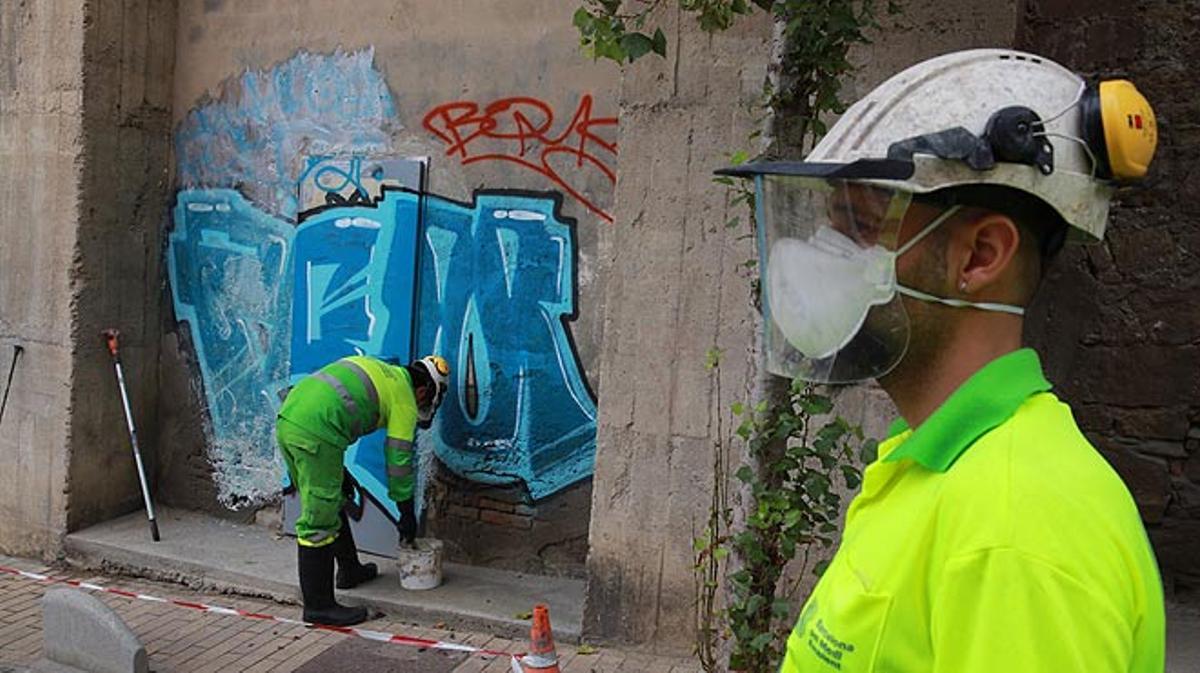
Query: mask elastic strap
pixel 959 303
pixel 937 221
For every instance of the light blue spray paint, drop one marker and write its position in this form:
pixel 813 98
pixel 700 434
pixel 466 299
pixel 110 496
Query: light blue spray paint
pixel 229 269
pixel 257 132
pixel 487 285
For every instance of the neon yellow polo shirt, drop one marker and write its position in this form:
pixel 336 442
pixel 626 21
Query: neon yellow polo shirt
pixel 994 538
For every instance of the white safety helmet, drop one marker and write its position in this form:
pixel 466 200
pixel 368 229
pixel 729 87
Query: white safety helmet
pixel 987 117
pixel 438 370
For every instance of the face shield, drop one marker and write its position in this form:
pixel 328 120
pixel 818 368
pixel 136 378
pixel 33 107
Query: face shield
pixel 827 249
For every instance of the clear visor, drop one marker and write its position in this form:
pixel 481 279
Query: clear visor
pixel 827 251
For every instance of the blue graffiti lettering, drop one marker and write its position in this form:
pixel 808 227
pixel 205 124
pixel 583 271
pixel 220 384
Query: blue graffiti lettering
pixel 503 281
pixel 488 286
pixel 228 265
pixel 355 286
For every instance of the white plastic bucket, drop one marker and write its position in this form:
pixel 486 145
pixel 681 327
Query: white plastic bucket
pixel 420 569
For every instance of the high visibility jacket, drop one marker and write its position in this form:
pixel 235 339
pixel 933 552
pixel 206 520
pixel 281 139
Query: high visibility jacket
pixel 356 396
pixel 993 538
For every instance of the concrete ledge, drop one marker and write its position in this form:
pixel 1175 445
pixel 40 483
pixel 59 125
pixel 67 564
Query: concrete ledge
pixel 206 553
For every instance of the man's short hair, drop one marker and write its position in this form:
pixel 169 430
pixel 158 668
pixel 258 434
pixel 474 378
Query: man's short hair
pixel 1032 215
pixel 420 377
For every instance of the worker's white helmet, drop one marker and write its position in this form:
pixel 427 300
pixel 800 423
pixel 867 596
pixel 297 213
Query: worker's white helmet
pixel 438 370
pixel 963 119
pixel 986 117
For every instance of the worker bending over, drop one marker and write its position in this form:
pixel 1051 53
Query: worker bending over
pixel 323 414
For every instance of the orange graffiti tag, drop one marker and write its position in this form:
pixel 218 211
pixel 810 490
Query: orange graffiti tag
pixel 519 130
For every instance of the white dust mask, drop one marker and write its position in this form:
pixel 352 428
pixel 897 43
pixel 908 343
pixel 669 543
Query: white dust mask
pixel 820 290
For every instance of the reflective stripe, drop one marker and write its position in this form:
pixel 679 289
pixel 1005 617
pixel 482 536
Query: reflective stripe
pixel 540 660
pixel 399 444
pixel 318 538
pixel 399 471
pixel 347 400
pixel 369 386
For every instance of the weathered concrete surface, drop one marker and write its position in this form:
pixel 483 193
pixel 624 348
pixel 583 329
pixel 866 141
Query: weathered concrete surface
pixel 80 631
pixel 84 114
pixel 927 28
pixel 129 51
pixel 679 288
pixel 41 143
pixel 205 552
pixel 1119 322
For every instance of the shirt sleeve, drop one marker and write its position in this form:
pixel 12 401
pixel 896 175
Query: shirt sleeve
pixel 401 429
pixel 1003 609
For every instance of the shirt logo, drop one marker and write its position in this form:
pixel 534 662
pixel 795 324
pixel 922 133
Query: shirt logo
pixel 828 648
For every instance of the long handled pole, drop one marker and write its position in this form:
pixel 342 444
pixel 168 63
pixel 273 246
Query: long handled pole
pixel 17 350
pixel 112 338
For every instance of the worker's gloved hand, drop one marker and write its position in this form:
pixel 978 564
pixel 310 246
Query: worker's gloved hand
pixel 407 526
pixel 353 502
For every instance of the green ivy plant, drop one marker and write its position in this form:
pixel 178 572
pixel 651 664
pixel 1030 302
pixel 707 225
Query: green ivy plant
pixel 796 504
pixel 796 449
pixel 616 29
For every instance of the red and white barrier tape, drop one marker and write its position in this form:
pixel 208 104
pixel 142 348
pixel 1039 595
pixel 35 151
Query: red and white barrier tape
pixel 368 634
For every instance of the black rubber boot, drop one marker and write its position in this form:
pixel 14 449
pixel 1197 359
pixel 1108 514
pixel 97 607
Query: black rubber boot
pixel 316 585
pixel 350 573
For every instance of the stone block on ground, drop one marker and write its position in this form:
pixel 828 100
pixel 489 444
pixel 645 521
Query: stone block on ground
pixel 82 632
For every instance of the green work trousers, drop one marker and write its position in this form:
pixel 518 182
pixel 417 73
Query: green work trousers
pixel 315 467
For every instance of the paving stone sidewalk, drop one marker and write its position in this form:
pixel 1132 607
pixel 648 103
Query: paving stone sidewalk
pixel 183 640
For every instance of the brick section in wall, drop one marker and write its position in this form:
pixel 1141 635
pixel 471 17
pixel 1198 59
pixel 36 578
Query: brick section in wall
pixel 1118 322
pixel 501 527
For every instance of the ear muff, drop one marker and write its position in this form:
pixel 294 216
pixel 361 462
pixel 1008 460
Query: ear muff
pixel 1119 128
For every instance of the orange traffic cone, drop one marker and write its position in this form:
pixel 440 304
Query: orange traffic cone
pixel 541 658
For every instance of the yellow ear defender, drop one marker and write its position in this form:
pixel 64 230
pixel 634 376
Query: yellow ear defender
pixel 1120 129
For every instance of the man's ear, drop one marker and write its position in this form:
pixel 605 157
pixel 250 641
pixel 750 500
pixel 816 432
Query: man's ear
pixel 982 251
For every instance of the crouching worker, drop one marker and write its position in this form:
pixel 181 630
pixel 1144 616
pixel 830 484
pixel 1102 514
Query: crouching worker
pixel 322 415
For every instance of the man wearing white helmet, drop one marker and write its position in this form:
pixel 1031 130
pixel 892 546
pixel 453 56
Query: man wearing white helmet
pixel 989 534
pixel 323 414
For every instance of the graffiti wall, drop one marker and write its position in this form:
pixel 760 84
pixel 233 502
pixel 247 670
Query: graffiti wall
pixel 300 236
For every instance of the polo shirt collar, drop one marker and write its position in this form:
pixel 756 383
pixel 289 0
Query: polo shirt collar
pixel 987 399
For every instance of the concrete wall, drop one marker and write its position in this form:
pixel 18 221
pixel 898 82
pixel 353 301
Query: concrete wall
pixel 41 143
pixel 1119 322
pixel 84 113
pixel 129 51
pixel 678 290
pixel 269 97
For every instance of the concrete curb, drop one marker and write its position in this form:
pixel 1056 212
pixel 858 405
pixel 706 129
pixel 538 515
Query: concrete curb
pixel 477 599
